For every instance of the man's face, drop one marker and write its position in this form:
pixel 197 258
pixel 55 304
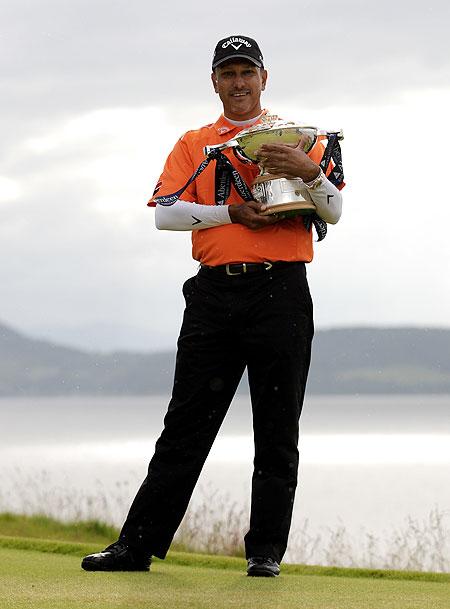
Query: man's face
pixel 239 85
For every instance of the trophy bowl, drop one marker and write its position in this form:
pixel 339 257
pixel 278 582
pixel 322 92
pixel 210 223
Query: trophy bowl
pixel 250 140
pixel 279 194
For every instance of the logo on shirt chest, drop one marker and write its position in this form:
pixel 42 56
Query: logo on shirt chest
pixel 223 130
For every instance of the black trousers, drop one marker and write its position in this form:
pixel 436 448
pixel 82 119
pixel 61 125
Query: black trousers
pixel 261 320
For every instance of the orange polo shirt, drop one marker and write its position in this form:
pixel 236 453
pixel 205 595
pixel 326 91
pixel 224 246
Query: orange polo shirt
pixel 285 240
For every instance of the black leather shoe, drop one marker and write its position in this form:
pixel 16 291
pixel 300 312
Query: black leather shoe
pixel 259 566
pixel 117 557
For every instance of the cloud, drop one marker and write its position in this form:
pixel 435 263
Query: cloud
pixel 79 240
pixel 75 56
pixel 96 93
pixel 82 249
pixel 9 189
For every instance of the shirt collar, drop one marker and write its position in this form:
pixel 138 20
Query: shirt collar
pixel 222 126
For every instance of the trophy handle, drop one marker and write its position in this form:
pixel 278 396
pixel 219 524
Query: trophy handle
pixel 229 144
pixel 326 132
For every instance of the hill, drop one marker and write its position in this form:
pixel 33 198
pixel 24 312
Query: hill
pixel 345 360
pixel 381 360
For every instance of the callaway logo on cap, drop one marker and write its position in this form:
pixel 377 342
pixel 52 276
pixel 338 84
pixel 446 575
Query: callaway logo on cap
pixel 237 47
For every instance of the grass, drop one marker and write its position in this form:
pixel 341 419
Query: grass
pixel 33 579
pixel 45 527
pixel 217 526
pixel 40 569
pixel 226 563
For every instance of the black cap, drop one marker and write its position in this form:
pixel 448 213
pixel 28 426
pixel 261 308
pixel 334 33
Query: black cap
pixel 237 47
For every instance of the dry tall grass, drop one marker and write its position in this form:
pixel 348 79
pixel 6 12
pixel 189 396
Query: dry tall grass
pixel 217 525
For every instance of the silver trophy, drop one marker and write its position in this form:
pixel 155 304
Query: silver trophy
pixel 279 194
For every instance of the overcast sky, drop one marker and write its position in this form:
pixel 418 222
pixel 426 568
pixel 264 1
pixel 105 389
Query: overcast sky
pixel 94 95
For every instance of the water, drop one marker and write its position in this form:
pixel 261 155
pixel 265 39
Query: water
pixel 367 462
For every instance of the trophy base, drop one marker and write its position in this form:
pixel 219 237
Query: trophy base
pixel 282 195
pixel 294 208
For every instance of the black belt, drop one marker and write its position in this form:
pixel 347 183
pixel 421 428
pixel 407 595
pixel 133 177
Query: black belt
pixel 241 268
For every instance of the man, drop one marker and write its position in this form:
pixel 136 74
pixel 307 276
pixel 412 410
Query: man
pixel 248 306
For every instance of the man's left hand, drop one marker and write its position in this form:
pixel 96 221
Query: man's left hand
pixel 287 161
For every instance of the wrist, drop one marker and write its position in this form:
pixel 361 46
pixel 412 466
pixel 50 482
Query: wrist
pixel 232 209
pixel 315 182
pixel 312 174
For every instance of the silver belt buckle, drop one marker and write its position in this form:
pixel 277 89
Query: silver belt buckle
pixel 227 269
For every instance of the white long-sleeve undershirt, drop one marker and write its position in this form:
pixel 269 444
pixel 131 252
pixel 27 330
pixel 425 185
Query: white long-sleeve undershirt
pixel 183 215
pixel 328 201
pixel 190 216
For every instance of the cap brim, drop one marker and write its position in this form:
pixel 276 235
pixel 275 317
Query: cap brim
pixel 238 56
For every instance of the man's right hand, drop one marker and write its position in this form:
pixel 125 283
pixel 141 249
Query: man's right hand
pixel 248 214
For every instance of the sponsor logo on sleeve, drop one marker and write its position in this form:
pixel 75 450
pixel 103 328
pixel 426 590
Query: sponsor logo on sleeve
pixel 157 188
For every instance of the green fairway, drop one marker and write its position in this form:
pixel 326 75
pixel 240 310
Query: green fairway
pixel 31 579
